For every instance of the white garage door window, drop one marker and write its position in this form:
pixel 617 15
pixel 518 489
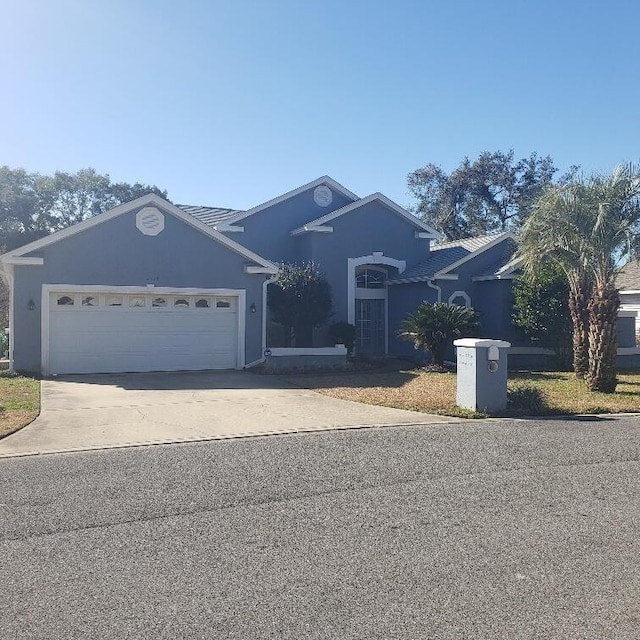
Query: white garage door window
pixel 121 331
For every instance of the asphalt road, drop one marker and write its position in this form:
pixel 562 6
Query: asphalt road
pixel 472 530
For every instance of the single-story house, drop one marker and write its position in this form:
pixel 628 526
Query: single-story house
pixel 153 286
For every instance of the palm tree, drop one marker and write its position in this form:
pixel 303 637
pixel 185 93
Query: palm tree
pixel 555 231
pixel 433 327
pixel 588 227
pixel 615 235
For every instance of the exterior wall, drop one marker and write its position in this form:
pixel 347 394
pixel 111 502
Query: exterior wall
pixel 116 253
pixel 267 232
pixel 361 232
pixel 403 299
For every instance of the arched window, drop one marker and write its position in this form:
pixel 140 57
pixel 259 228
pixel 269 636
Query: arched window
pixel 370 278
pixel 65 301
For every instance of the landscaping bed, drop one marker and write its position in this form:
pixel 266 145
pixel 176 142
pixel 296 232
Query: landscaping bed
pixel 423 390
pixel 19 402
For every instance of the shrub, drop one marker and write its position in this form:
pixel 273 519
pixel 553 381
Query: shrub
pixel 343 333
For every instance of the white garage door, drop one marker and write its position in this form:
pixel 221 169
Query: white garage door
pixel 96 332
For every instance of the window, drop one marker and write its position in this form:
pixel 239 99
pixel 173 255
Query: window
pixel 202 303
pixel 137 301
pixel 89 301
pixel 65 301
pixel 114 301
pixel 223 304
pixel 181 303
pixel 371 279
pixel 159 302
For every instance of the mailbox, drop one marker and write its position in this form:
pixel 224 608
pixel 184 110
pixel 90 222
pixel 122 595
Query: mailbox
pixel 481 383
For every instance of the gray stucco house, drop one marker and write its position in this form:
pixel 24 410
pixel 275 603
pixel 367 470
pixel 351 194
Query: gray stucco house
pixel 152 286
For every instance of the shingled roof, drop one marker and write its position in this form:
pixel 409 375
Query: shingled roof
pixel 443 256
pixel 209 215
pixel 629 278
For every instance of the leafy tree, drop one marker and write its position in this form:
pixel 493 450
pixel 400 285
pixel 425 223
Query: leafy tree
pixel 588 227
pixel 433 327
pixel 33 205
pixel 299 300
pixel 541 310
pixel 493 193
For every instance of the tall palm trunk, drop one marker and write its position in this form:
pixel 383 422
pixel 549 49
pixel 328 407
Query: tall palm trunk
pixel 578 307
pixel 603 316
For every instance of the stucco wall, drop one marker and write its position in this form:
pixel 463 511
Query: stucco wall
pixel 267 232
pixel 116 253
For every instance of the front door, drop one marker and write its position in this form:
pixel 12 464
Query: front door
pixel 370 327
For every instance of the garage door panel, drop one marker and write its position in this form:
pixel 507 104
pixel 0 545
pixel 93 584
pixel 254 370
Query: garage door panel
pixel 105 339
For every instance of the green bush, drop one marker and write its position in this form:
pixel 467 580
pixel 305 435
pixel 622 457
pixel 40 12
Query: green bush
pixel 343 333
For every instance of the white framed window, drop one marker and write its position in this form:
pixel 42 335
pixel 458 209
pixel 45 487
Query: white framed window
pixel 202 303
pixel 137 301
pixel 65 301
pixel 223 303
pixel 181 303
pixel 159 302
pixel 114 301
pixel 371 278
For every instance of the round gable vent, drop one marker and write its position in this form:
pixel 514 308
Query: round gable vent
pixel 149 221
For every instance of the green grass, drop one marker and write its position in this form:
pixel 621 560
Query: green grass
pixel 19 402
pixel 529 394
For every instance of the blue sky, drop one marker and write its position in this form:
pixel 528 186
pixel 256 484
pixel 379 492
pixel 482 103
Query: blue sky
pixel 232 103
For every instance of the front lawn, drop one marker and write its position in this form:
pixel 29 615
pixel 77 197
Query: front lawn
pixel 19 402
pixel 529 393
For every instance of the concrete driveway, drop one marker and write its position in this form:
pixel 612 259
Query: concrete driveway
pixel 106 411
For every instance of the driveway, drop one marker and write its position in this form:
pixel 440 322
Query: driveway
pixel 105 411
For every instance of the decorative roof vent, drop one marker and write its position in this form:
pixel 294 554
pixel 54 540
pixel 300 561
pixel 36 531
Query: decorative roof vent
pixel 323 196
pixel 149 221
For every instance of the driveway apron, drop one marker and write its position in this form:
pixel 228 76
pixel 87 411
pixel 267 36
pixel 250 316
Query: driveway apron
pixel 118 410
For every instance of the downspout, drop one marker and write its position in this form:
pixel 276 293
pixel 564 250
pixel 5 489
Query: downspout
pixel 265 312
pixel 437 288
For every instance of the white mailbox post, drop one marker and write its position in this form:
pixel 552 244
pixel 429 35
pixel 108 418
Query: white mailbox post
pixel 482 374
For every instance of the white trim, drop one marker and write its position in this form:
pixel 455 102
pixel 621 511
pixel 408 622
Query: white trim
pixel 452 276
pixel 150 199
pixel 315 228
pixel 7 273
pixel 505 236
pixel 509 276
pixel 628 351
pixel 396 208
pixel 377 257
pixel 510 267
pixel 251 269
pixel 461 294
pixel 308 351
pixel 623 292
pixel 37 262
pixel 48 289
pixel 423 235
pixel 255 363
pixel 437 289
pixel 324 180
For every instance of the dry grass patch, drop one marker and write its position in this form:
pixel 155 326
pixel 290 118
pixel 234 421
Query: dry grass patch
pixel 419 390
pixel 20 402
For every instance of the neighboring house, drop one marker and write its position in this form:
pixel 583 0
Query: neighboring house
pixel 628 282
pixel 153 286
